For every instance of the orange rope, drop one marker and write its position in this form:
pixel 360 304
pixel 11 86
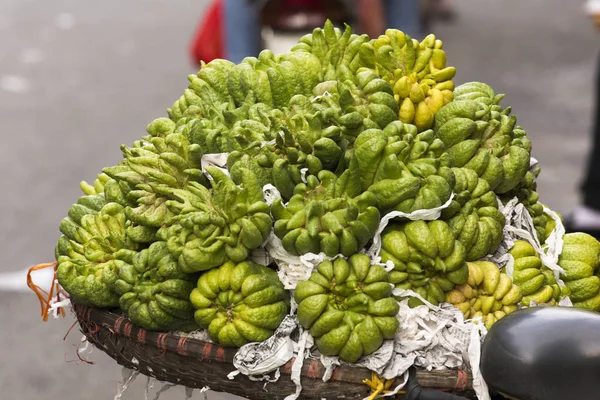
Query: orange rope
pixel 45 297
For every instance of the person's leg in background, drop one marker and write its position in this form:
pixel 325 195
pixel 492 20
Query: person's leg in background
pixel 375 16
pixel 404 15
pixel 370 15
pixel 586 217
pixel 242 29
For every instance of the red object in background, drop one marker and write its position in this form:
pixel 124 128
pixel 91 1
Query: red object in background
pixel 209 41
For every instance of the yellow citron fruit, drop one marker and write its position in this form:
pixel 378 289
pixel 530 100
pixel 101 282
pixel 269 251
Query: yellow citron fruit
pixel 448 96
pixel 488 293
pixel 455 296
pixel 487 303
pixel 467 291
pixel 416 94
pixel 465 308
pixel 489 320
pixel 491 275
pixel 414 69
pixel 423 116
pixel 475 275
pixel 402 88
pixel 435 101
pixel 513 296
pixel 503 287
pixel 407 111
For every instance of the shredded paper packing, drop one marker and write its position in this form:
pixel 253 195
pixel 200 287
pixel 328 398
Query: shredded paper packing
pixel 218 160
pixel 474 355
pixel 258 359
pixel 435 337
pixel 128 376
pixel 303 349
pixel 200 334
pixel 290 268
pixel 271 194
pixel 425 215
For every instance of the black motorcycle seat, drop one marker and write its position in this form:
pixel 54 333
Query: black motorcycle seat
pixel 544 353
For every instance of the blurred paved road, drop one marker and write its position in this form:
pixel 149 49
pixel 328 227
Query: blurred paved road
pixel 77 79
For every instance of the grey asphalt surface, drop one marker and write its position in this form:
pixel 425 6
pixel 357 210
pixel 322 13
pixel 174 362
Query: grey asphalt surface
pixel 77 79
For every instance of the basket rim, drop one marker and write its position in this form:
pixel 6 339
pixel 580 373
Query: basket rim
pixel 117 324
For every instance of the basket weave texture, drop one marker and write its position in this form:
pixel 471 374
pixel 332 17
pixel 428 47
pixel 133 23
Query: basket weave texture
pixel 194 363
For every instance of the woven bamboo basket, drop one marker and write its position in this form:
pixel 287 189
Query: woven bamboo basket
pixel 196 364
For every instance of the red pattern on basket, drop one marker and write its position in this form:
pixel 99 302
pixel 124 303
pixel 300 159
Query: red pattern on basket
pixel 461 380
pixel 95 328
pixel 181 346
pixel 334 375
pixel 118 324
pixel 127 329
pixel 220 356
pixel 313 369
pixel 206 351
pixel 287 368
pixel 161 342
pixel 141 336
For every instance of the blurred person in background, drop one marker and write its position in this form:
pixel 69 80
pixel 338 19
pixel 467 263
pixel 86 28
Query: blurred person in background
pixel 242 29
pixel 375 16
pixel 244 18
pixel 586 216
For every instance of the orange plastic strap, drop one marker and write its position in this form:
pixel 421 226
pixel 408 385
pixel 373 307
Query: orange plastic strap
pixel 45 297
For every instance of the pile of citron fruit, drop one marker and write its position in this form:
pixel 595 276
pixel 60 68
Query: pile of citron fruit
pixel 347 129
